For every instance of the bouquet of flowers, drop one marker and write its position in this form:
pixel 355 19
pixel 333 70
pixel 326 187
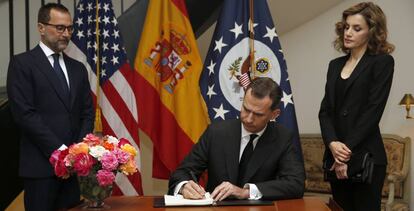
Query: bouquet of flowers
pixel 95 156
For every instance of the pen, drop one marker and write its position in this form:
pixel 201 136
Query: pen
pixel 193 177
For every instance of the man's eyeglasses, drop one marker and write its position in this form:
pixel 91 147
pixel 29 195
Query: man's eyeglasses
pixel 61 28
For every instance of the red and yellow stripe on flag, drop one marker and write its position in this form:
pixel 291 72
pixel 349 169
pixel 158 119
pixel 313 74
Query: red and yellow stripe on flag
pixel 171 110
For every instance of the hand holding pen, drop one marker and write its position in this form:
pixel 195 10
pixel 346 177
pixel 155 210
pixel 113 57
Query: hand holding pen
pixel 192 190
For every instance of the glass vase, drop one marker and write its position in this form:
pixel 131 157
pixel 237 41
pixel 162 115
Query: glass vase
pixel 93 192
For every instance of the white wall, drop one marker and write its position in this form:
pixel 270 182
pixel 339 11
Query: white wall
pixel 308 49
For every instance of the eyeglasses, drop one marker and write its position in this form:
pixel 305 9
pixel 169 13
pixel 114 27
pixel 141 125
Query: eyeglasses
pixel 61 28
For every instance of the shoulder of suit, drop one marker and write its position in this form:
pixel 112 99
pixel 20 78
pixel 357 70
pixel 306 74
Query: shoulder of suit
pixel 225 123
pixel 280 129
pixel 73 62
pixel 67 57
pixel 383 57
pixel 24 54
pixel 25 57
pixel 338 59
pixel 380 60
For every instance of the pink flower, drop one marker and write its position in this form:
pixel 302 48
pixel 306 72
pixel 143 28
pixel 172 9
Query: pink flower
pixel 123 141
pixel 83 164
pixel 91 139
pixel 105 177
pixel 54 157
pixel 122 156
pixel 109 161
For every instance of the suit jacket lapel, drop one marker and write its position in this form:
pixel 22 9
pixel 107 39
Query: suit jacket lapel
pixel 261 152
pixel 44 66
pixel 232 152
pixel 334 77
pixel 358 69
pixel 73 83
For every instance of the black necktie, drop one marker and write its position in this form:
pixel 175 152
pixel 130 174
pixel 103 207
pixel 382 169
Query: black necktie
pixel 59 73
pixel 247 154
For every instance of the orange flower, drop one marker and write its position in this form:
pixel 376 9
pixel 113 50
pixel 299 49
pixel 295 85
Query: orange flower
pixel 79 148
pixel 129 168
pixel 108 146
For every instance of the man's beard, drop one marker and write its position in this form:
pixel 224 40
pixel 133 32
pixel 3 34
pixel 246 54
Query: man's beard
pixel 62 44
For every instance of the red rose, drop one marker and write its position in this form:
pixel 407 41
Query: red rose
pixel 58 155
pixel 83 163
pixel 123 141
pixel 61 170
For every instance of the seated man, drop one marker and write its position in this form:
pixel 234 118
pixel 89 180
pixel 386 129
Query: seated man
pixel 247 158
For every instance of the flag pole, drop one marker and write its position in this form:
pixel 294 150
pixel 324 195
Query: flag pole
pixel 98 121
pixel 251 39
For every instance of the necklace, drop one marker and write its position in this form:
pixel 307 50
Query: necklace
pixel 346 73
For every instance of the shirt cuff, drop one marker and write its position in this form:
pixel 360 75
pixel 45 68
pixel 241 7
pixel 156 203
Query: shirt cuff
pixel 63 147
pixel 254 193
pixel 178 187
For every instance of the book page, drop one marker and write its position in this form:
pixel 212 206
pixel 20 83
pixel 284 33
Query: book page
pixel 179 200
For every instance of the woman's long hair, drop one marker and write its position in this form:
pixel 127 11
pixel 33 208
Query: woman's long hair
pixel 377 23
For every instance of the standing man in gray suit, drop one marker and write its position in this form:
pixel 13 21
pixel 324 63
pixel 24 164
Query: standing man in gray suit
pixel 51 103
pixel 247 158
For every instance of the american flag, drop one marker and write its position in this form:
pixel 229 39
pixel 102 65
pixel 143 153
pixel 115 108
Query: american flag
pixel 228 62
pixel 245 80
pixel 104 56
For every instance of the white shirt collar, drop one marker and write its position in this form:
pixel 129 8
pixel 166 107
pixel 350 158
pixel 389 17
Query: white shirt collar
pixel 245 133
pixel 48 52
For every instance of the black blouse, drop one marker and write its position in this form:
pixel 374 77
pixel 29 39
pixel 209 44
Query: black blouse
pixel 339 100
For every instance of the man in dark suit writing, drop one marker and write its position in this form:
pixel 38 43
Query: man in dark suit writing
pixel 250 158
pixel 51 103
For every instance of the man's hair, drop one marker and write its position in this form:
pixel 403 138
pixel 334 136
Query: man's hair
pixel 262 87
pixel 44 12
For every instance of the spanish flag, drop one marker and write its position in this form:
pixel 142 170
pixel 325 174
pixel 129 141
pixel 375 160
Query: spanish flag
pixel 171 109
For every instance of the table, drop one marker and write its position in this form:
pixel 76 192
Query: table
pixel 134 203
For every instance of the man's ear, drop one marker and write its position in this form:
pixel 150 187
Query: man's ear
pixel 275 113
pixel 41 28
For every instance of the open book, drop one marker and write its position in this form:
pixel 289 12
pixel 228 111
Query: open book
pixel 179 200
